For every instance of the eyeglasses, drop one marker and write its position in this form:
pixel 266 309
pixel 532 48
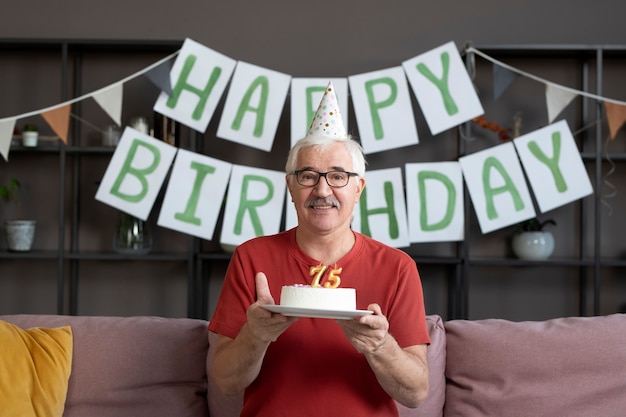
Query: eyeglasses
pixel 335 179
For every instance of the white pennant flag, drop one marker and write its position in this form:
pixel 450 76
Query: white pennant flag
pixel 557 99
pixel 6 134
pixel 110 99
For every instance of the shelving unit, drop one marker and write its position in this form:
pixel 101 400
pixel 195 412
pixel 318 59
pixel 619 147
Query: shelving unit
pixel 454 270
pixel 586 116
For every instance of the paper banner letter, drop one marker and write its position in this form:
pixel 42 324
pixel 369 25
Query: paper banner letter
pixel 496 185
pixel 198 78
pixel 443 88
pixel 6 135
pixel 381 211
pixel 553 165
pixel 254 198
pixel 306 94
pixel 382 105
pixel 194 194
pixel 59 120
pixel 253 106
pixel 136 173
pixel 435 202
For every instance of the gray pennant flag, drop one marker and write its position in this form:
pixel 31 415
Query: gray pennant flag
pixel 502 79
pixel 160 76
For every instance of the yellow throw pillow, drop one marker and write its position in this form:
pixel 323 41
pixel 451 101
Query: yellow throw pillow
pixel 35 366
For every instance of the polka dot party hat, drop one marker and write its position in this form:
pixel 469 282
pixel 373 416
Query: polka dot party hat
pixel 327 121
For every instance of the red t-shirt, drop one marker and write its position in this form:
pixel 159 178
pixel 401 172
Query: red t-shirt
pixel 312 369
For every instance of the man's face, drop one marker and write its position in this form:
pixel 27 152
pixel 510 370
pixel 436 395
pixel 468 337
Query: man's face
pixel 322 208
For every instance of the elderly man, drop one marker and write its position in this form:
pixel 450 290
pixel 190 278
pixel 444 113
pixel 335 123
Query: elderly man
pixel 310 366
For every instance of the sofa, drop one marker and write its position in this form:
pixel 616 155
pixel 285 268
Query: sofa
pixel 152 366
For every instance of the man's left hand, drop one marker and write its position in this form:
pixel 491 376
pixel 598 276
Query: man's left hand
pixel 367 333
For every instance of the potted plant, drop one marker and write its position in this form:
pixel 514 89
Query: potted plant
pixel 19 232
pixel 531 241
pixel 30 135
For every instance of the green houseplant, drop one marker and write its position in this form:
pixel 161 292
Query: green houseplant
pixel 531 241
pixel 19 232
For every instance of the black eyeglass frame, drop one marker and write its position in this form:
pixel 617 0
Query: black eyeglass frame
pixel 325 175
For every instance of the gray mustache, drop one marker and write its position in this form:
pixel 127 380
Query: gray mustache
pixel 327 201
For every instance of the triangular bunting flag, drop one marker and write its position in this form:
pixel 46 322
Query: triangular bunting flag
pixel 615 117
pixel 160 76
pixel 6 134
pixel 110 99
pixel 502 79
pixel 557 99
pixel 59 120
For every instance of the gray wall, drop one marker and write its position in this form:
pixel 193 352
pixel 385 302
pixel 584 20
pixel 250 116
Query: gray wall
pixel 292 36
pixel 324 38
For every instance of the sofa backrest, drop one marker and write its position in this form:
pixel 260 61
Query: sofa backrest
pixel 571 367
pixel 132 366
pixel 221 405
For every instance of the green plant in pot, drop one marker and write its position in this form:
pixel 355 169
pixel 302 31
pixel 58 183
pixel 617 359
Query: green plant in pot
pixel 30 135
pixel 19 232
pixel 532 241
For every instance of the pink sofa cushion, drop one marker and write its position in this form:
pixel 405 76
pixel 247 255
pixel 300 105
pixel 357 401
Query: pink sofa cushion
pixel 562 367
pixel 433 405
pixel 133 366
pixel 221 405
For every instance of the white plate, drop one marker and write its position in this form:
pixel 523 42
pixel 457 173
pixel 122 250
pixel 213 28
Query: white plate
pixel 316 313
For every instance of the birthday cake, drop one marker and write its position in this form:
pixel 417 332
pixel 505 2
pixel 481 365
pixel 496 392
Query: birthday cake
pixel 318 298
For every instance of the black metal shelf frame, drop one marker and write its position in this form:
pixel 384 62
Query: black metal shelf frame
pixel 199 263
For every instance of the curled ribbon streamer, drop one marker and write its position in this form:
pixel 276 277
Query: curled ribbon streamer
pixel 464 132
pixel 471 59
pixel 605 181
pixel 587 126
pixel 91 125
pixel 605 153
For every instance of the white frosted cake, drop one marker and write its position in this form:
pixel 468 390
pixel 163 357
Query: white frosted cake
pixel 318 298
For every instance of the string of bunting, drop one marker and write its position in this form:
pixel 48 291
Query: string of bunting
pixel 559 96
pixel 254 102
pixel 108 97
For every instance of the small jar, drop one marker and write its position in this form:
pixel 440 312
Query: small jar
pixel 140 123
pixel 132 235
pixel 111 135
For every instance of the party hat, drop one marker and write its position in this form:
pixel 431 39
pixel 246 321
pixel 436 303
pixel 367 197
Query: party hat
pixel 327 121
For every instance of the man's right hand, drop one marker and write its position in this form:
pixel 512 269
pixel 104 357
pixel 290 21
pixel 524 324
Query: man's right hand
pixel 238 361
pixel 263 324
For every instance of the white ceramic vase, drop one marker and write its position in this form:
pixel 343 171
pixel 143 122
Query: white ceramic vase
pixel 536 245
pixel 30 139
